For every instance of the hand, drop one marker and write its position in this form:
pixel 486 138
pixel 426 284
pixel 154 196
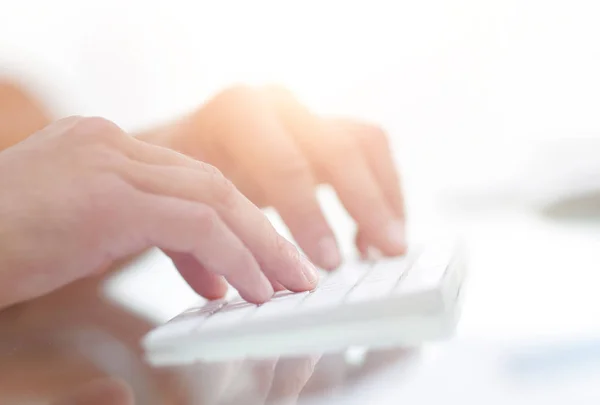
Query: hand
pixel 276 152
pixel 81 194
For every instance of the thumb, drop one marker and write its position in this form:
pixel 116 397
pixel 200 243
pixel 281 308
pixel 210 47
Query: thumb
pixel 106 391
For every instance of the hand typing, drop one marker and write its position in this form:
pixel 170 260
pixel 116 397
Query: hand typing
pixel 276 152
pixel 81 194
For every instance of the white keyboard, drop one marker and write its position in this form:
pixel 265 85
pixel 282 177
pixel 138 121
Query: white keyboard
pixel 389 302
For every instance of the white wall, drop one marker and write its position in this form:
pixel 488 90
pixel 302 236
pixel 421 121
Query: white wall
pixel 481 68
pixel 463 86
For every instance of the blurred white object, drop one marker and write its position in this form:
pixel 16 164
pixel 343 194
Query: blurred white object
pixel 551 176
pixel 564 171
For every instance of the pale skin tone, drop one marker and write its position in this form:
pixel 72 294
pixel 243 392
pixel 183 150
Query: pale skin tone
pixel 80 194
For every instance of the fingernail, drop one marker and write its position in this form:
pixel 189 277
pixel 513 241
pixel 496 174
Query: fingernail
pixel 395 234
pixel 309 270
pixel 266 290
pixel 329 255
pixel 277 286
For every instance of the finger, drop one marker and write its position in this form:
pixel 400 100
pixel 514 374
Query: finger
pixel 301 212
pixel 362 244
pixel 183 226
pixel 209 285
pixel 349 173
pixel 375 146
pixel 198 230
pixel 277 286
pixel 107 391
pixel 290 187
pixel 282 269
pixel 148 153
pixel 369 160
pixel 366 251
pixel 269 153
pixel 374 142
pixel 277 257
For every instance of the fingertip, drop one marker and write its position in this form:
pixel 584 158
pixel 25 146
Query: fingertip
pixel 373 254
pixel 260 293
pixel 387 240
pixel 266 292
pixel 277 286
pixel 305 276
pixel 329 257
pixel 290 268
pixel 309 271
pixel 395 238
pixel 218 291
pixel 362 245
pixel 206 284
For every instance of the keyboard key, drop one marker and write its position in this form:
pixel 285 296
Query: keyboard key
pixel 370 291
pixel 232 314
pixel 279 305
pixel 378 286
pixel 347 274
pixel 380 280
pixel 336 287
pixel 437 254
pixel 320 299
pixel 428 269
pixel 207 309
pixel 388 269
pixel 188 321
pixel 174 329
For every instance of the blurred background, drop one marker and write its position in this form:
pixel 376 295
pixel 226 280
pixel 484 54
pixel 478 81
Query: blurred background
pixel 476 84
pixel 492 107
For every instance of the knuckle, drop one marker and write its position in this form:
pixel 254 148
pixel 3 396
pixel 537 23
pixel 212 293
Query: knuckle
pixel 211 170
pixel 279 92
pixel 206 219
pixel 368 135
pixel 103 194
pixel 224 192
pixel 71 120
pixel 378 135
pixel 285 249
pixel 96 128
pixel 344 144
pixel 291 169
pixel 238 91
pixel 237 96
pixel 243 258
pixel 100 157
